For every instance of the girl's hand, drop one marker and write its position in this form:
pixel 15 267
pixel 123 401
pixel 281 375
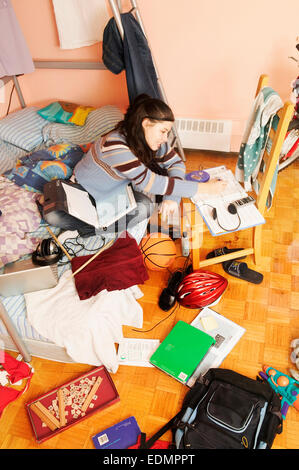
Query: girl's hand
pixel 212 187
pixel 168 208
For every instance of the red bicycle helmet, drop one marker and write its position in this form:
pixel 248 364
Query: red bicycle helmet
pixel 200 289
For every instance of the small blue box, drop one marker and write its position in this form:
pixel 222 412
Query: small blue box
pixel 120 436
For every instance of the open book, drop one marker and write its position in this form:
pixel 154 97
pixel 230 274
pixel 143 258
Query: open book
pixel 226 334
pixel 249 215
pixel 113 207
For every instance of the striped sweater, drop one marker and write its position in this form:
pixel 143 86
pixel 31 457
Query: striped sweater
pixel 110 163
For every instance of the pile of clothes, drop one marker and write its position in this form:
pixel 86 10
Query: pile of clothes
pixel 85 313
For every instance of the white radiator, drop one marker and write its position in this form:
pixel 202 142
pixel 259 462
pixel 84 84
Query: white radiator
pixel 205 134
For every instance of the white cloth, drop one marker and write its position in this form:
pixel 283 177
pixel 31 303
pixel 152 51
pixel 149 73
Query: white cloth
pixel 88 329
pixel 80 22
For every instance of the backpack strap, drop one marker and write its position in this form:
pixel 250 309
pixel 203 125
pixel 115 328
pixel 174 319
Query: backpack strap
pixel 147 444
pixel 190 401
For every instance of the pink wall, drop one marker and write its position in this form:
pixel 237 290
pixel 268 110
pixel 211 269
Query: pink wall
pixel 208 54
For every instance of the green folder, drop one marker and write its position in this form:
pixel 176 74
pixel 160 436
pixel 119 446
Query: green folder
pixel 181 351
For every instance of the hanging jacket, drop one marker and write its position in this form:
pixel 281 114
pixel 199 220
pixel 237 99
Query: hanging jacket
pixel 132 55
pixel 255 140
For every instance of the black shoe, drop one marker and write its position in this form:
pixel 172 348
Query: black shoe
pixel 167 298
pixel 241 271
pixel 223 251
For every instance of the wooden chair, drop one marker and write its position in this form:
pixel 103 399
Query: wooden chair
pixel 198 226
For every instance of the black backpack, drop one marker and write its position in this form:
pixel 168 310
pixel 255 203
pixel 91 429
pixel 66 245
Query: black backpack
pixel 225 410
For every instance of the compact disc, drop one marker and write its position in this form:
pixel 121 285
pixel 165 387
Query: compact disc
pixel 200 176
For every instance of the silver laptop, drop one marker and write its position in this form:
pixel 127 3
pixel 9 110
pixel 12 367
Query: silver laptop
pixel 24 276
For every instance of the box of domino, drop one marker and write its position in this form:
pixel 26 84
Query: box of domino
pixel 64 406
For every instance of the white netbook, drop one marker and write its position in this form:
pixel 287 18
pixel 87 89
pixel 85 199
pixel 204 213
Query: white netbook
pixel 23 276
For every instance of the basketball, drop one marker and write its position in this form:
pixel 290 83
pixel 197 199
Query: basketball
pixel 159 251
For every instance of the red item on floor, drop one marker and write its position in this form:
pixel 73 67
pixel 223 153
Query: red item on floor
pixel 17 370
pixel 106 395
pixel 119 267
pixel 157 445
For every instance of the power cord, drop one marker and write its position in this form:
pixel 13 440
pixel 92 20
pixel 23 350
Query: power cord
pixel 71 243
pixel 163 319
pixel 183 270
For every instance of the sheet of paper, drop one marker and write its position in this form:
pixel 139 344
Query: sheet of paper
pixel 79 205
pixel 136 352
pixel 232 191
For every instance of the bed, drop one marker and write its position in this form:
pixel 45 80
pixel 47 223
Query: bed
pixel 25 138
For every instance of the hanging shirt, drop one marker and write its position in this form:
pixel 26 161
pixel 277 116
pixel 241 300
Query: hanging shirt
pixel 15 58
pixel 255 139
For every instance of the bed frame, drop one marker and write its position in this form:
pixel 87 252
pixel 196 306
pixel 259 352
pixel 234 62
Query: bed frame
pixel 28 346
pixel 51 64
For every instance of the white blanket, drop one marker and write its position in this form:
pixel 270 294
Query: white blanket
pixel 80 22
pixel 88 329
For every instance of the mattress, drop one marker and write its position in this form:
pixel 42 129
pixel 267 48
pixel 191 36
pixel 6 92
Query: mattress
pixel 16 306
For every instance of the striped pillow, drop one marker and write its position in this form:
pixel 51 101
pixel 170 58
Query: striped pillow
pixel 9 155
pixel 23 128
pixel 98 122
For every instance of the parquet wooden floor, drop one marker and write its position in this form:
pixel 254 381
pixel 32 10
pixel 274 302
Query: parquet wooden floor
pixel 269 312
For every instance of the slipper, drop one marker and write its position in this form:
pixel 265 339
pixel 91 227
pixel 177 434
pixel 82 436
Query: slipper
pixel 241 271
pixel 223 251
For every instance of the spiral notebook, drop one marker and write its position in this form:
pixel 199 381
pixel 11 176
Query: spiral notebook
pixel 249 215
pixel 182 350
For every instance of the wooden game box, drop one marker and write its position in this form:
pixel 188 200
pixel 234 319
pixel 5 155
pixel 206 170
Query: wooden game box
pixel 64 406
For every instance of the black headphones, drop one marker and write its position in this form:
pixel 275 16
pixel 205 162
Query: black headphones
pixel 47 252
pixel 232 209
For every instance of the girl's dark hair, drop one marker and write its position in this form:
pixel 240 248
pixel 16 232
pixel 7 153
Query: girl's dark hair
pixel 131 127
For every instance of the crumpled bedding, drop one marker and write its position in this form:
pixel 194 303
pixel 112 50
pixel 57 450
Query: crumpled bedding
pixel 20 216
pixel 87 329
